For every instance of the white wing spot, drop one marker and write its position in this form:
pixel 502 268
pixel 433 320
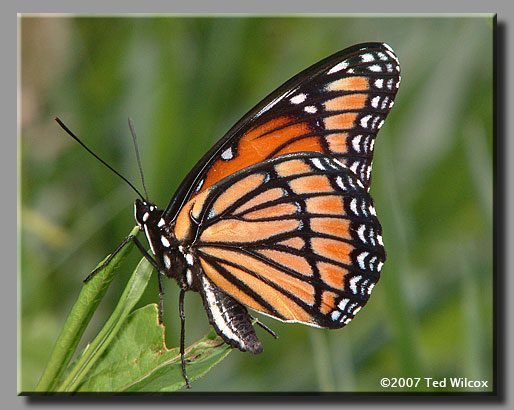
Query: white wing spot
pixel 366 143
pixel 380 124
pixel 354 166
pixel 363 208
pixel 364 121
pixel 356 143
pixel 379 238
pixel 360 232
pixel 317 163
pixel 161 223
pixel 298 99
pixel 353 206
pixel 372 236
pixel 189 259
pixel 370 288
pixel 379 266
pixel 165 241
pixel 379 83
pixel 338 67
pixel 227 154
pixel 335 315
pixel 353 283
pixel 375 68
pixel 372 262
pixel 340 183
pixel 357 310
pixel 311 109
pixel 342 304
pixel 382 56
pixel 360 259
pixel 375 101
pixel 367 58
pixel 351 182
pixel 167 261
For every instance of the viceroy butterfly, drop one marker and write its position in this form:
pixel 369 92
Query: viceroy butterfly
pixel 277 215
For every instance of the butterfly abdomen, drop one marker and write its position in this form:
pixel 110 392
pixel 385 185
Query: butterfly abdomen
pixel 230 319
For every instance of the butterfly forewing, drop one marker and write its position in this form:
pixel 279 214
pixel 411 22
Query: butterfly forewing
pixel 294 237
pixel 335 107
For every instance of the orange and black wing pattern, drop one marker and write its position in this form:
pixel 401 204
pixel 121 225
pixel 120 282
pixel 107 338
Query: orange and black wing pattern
pixel 294 237
pixel 335 107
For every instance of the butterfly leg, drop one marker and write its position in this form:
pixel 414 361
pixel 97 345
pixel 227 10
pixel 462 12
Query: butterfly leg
pixel 266 328
pixel 161 298
pixel 119 248
pixel 183 335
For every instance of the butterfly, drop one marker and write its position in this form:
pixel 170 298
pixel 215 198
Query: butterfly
pixel 277 217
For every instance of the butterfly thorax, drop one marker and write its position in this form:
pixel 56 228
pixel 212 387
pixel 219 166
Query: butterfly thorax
pixel 174 258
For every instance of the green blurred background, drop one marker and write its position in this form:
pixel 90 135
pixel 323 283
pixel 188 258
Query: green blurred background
pixel 185 82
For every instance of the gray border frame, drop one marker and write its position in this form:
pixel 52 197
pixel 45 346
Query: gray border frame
pixel 503 195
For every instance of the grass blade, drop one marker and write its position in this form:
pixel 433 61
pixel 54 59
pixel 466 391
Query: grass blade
pixel 132 293
pixel 77 321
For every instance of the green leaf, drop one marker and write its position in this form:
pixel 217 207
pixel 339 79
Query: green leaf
pixel 77 321
pixel 131 294
pixel 138 360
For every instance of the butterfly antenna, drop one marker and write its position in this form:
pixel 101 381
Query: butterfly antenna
pixel 68 131
pixel 133 132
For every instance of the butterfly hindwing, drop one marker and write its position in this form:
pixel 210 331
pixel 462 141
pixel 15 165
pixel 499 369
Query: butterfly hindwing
pixel 335 107
pixel 294 237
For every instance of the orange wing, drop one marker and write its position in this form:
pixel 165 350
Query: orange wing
pixel 294 237
pixel 335 107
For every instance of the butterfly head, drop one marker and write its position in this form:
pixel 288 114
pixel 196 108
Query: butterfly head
pixel 146 213
pixel 174 257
